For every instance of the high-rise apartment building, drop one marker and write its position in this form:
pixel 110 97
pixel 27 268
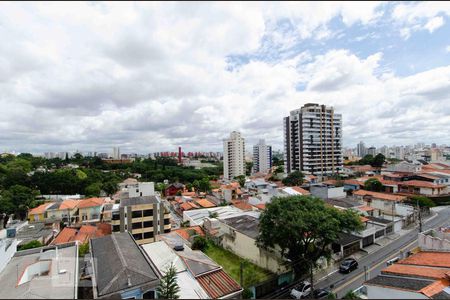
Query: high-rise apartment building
pixel 313 140
pixel 262 157
pixel 116 153
pixel 361 149
pixel 372 151
pixel 233 156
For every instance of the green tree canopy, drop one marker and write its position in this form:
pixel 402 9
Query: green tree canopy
pixel 168 287
pixel 422 201
pixel 373 184
pixel 199 243
pixel 303 228
pixel 378 160
pixel 293 179
pixel 240 179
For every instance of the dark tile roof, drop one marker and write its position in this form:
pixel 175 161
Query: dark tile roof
pixel 177 185
pixel 139 200
pixel 244 224
pixel 441 295
pixel 407 283
pixel 55 205
pixel 120 264
pixel 379 220
pixel 347 238
pixel 343 202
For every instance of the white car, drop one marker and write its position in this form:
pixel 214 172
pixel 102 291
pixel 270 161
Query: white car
pixel 302 290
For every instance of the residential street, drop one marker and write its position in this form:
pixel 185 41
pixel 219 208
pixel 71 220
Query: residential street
pixel 341 284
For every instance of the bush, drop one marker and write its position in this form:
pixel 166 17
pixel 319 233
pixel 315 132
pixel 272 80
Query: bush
pixel 247 294
pixel 200 243
pixel 30 245
pixel 83 249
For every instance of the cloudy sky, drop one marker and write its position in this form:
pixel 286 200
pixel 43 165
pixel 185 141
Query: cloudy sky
pixel 152 76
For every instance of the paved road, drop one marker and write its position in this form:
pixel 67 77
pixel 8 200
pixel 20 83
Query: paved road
pixel 374 262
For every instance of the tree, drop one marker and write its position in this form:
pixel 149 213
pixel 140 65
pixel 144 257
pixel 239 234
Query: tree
pixel 303 228
pixel 168 287
pixel 248 168
pixel 351 295
pixel 378 160
pixel 199 243
pixel 83 249
pixel 30 245
pixel 424 202
pixel 279 169
pixel 366 160
pixel 373 184
pixel 293 179
pixel 93 190
pixel 240 179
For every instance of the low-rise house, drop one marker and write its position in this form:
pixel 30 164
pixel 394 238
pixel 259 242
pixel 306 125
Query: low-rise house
pixel 173 189
pixel 68 210
pixel 405 167
pixel 203 203
pixel 82 234
pixel 424 275
pixel 238 234
pixel 46 273
pixel 121 269
pixel 196 217
pixel 210 276
pixel 325 191
pixel 352 185
pixel 37 232
pixel 420 187
pixel 292 191
pixel 90 209
pixel 435 239
pixel 39 213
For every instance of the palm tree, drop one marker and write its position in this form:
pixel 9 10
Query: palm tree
pixel 168 287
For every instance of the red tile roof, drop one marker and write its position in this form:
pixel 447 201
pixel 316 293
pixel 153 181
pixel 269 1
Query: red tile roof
pixel 363 219
pixel 435 288
pixel 353 181
pixel 204 203
pixel 416 271
pixel 90 202
pixel 300 190
pixel 420 183
pixel 382 196
pixel 184 232
pixel 39 209
pixel 69 204
pixel 188 206
pixel 366 208
pixel 389 182
pixel 261 206
pixel 218 284
pixel 431 259
pixel 66 235
pixel 242 205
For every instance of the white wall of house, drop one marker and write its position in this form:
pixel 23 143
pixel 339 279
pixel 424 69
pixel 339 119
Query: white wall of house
pixel 7 250
pixel 379 292
pixel 142 189
pixel 245 247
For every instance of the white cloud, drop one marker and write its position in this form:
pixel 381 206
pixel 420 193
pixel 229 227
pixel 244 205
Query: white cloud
pixel 415 16
pixel 447 48
pixel 434 24
pixel 152 76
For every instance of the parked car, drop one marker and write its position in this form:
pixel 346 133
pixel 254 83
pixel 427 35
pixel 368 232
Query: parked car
pixel 348 265
pixel 392 261
pixel 320 293
pixel 302 290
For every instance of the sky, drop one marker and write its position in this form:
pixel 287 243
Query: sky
pixel 154 76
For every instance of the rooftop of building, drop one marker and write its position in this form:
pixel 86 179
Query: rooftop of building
pixel 244 224
pixel 429 258
pixel 343 202
pixel 422 184
pixel 56 280
pixel 32 232
pixel 90 202
pixel 119 263
pixel 399 282
pixel 381 196
pixel 139 200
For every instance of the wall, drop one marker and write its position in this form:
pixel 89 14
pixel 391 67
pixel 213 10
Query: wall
pixel 440 241
pixel 378 292
pixel 6 252
pixel 245 247
pixel 142 189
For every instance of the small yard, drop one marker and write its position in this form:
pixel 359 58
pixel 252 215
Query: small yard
pixel 231 264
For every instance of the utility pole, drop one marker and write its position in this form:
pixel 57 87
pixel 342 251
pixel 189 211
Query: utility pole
pixel 366 274
pixel 419 215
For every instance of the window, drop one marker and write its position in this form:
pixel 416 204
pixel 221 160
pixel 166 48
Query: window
pixel 166 230
pixel 148 212
pixel 148 224
pixel 116 216
pixel 136 214
pixel 149 295
pixel 136 225
pixel 148 235
pixel 166 221
pixel 137 236
pixel 116 228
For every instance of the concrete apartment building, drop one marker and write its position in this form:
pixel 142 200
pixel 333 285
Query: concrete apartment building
pixel 144 217
pixel 313 140
pixel 233 156
pixel 262 157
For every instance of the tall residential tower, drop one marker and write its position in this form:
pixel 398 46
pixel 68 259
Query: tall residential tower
pixel 233 156
pixel 313 140
pixel 262 157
